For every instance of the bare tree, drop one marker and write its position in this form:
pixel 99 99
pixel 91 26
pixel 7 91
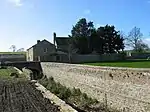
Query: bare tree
pixel 20 50
pixel 134 38
pixel 142 47
pixel 13 48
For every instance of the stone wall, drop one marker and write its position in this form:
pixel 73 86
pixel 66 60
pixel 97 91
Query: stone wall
pixel 97 58
pixel 140 55
pixel 124 89
pixel 12 57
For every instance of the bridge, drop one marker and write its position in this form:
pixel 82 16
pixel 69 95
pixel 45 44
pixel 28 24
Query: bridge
pixel 34 66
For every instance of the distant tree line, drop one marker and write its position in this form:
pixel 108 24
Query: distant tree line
pixel 13 48
pixel 104 39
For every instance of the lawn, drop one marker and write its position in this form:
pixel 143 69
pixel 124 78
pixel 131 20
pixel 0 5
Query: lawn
pixel 131 64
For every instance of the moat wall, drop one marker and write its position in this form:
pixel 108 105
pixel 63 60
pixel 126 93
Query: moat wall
pixel 124 89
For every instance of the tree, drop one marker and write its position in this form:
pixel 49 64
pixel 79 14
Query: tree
pixel 141 47
pixel 20 50
pixel 81 34
pixel 13 48
pixel 110 40
pixel 119 42
pixel 99 40
pixel 86 38
pixel 134 38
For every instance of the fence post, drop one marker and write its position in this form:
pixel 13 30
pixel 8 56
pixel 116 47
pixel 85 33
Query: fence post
pixel 105 97
pixel 106 102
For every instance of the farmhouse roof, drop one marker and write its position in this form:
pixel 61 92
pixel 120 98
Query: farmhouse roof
pixel 39 42
pixel 62 40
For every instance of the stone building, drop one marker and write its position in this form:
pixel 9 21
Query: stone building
pixel 62 48
pixel 42 51
pixel 61 43
pixel 61 51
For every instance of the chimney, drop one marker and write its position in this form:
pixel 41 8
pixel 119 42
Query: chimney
pixel 38 41
pixel 54 38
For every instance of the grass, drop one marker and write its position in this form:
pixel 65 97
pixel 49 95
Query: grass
pixel 5 72
pixel 10 73
pixel 130 63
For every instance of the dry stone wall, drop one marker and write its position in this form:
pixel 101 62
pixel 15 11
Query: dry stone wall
pixel 125 89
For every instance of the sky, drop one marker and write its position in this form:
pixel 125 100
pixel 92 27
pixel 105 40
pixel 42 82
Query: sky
pixel 23 22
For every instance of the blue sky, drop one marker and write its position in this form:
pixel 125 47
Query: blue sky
pixel 22 22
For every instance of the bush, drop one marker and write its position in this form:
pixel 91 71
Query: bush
pixel 76 92
pixel 44 82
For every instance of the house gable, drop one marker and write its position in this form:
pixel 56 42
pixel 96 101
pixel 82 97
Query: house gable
pixel 42 48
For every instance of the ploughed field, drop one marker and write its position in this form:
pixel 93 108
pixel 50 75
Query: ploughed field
pixel 22 96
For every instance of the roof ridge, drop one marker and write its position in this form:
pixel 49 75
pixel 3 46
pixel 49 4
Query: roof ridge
pixel 40 42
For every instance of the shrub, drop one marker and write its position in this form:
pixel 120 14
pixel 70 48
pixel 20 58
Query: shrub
pixel 44 82
pixel 76 92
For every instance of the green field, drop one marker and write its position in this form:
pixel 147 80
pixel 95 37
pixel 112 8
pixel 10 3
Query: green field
pixel 131 64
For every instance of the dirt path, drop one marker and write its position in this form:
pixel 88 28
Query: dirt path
pixel 21 96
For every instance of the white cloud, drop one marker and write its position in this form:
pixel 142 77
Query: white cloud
pixel 17 3
pixel 98 25
pixel 147 41
pixel 87 11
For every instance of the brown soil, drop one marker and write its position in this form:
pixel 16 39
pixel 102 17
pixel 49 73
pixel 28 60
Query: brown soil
pixel 21 96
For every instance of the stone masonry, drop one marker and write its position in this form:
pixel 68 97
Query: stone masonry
pixel 124 89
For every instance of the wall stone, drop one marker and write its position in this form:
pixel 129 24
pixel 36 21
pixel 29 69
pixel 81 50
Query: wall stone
pixel 124 89
pixel 12 57
pixel 77 58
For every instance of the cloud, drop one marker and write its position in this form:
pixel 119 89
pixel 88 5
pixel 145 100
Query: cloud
pixel 87 11
pixel 98 25
pixel 17 3
pixel 147 41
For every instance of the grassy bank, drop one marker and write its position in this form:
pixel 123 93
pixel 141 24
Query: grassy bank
pixel 10 73
pixel 5 72
pixel 74 97
pixel 129 63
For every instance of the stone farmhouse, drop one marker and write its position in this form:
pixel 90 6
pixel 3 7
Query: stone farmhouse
pixel 60 51
pixel 40 51
pixel 47 51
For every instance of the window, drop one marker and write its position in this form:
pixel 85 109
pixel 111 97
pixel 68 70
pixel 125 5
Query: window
pixel 45 50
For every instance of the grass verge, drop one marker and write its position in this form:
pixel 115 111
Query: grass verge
pixel 131 64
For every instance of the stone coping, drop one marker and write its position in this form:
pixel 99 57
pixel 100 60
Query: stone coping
pixel 53 98
pixel 103 67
